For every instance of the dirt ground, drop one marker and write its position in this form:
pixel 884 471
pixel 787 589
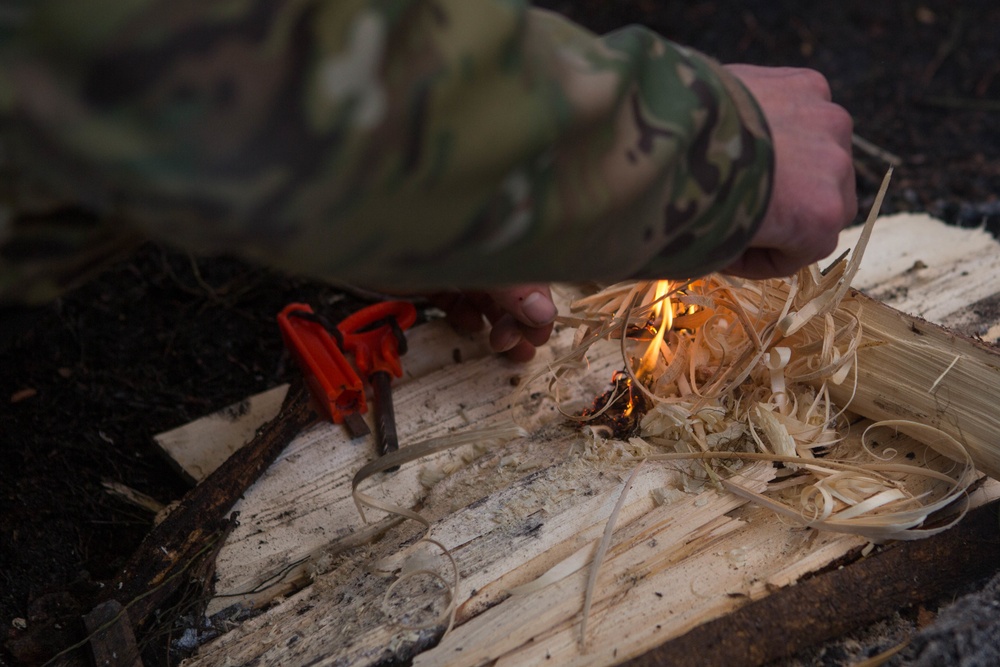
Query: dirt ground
pixel 164 338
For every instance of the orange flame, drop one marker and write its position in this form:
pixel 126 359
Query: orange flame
pixel 663 310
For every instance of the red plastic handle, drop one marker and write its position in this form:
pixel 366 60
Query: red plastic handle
pixel 335 386
pixel 377 348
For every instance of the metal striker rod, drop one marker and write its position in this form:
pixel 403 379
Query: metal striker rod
pixel 385 415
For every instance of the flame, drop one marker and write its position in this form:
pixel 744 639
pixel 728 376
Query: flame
pixel 663 310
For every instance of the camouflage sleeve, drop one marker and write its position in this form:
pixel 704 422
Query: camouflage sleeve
pixel 390 143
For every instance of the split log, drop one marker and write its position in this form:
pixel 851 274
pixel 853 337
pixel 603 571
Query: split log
pixel 301 510
pixel 505 524
pixel 533 515
pixel 930 272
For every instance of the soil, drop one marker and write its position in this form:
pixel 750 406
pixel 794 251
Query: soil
pixel 161 339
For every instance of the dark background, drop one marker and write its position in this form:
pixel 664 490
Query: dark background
pixel 162 338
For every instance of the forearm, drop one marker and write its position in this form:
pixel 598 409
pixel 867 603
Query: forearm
pixel 466 142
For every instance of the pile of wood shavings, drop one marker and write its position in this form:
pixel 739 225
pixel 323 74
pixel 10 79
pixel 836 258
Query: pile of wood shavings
pixel 731 382
pixel 720 371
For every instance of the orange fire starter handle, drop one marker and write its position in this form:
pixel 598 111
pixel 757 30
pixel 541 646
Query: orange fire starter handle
pixel 374 336
pixel 335 386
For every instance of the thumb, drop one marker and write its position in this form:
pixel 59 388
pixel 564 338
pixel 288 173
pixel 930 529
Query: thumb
pixel 528 304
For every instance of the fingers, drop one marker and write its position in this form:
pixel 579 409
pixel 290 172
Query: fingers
pixel 509 337
pixel 460 311
pixel 521 317
pixel 530 305
pixel 526 320
pixel 797 79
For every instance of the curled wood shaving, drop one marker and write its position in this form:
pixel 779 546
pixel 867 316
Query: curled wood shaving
pixel 484 436
pixel 417 451
pixel 451 586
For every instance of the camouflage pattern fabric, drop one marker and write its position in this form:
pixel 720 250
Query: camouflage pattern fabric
pixel 397 144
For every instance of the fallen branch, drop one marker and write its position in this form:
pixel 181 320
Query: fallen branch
pixel 201 515
pixel 183 546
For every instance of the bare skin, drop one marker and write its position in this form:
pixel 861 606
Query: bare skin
pixel 812 200
pixel 814 196
pixel 521 317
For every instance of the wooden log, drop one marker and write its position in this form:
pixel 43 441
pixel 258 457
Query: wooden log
pixel 930 272
pixel 929 305
pixel 908 368
pixel 828 605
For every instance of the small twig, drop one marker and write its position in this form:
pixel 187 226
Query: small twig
pixel 133 497
pixel 882 657
pixel 961 103
pixel 866 146
pixel 196 272
pixel 946 48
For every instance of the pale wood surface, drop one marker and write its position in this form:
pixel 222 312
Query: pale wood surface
pixel 944 274
pixel 196 449
pixel 303 503
pixel 508 516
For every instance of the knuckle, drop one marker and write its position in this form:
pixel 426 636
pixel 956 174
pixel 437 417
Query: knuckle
pixel 843 164
pixel 841 123
pixel 842 127
pixel 814 81
pixel 839 211
pixel 827 215
pixel 837 161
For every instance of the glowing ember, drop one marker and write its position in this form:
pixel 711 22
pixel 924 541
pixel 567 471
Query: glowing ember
pixel 620 409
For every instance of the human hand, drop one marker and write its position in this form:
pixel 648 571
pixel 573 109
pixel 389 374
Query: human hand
pixel 521 317
pixel 813 196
